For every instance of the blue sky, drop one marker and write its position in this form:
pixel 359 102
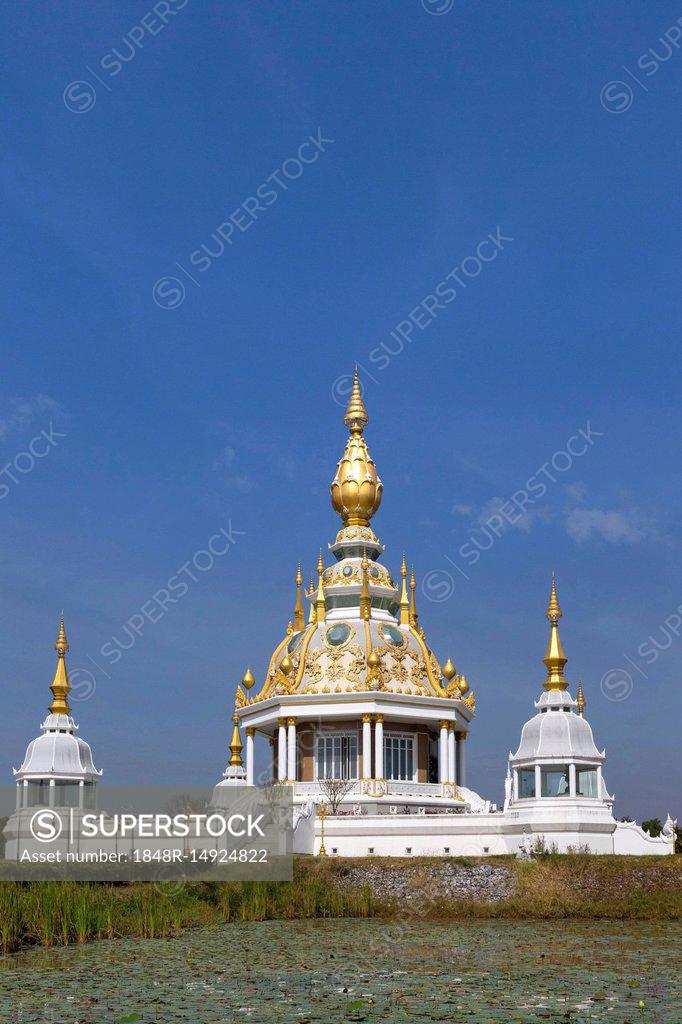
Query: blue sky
pixel 135 137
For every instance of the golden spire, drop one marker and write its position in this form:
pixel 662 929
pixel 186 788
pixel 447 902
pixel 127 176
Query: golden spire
pixel 311 594
pixel 582 703
pixel 61 687
pixel 248 680
pixel 236 745
pixel 414 615
pixel 356 415
pixel 320 610
pixel 555 658
pixel 356 487
pixel 404 601
pixel 365 599
pixel 299 617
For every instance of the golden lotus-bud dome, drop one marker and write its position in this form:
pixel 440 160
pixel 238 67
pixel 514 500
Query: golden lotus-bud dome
pixel 356 488
pixel 463 685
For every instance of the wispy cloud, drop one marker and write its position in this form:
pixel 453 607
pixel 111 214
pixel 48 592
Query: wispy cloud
pixel 237 481
pixel 612 525
pixel 22 413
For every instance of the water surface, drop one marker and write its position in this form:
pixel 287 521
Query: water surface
pixel 338 971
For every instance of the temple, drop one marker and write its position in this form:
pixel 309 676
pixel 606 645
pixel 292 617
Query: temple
pixel 359 713
pixel 364 722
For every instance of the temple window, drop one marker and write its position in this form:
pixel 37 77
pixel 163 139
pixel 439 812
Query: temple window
pixel 38 794
pixel 526 782
pixel 555 780
pixel 399 757
pixel 586 782
pixel 337 757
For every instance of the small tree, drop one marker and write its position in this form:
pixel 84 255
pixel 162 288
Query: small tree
pixel 652 826
pixel 334 790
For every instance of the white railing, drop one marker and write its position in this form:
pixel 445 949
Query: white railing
pixel 393 788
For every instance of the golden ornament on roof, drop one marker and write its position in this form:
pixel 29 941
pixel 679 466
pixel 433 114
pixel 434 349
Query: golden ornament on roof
pixel 463 686
pixel 449 670
pixel 356 488
pixel 61 687
pixel 286 665
pixel 247 679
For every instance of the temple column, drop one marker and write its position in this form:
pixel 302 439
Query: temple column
pixel 250 733
pixel 51 793
pixel 282 749
pixel 452 770
pixel 291 750
pixel 379 747
pixel 443 753
pixel 461 760
pixel 538 782
pixel 81 793
pixel 273 758
pixel 515 783
pixel 600 784
pixel 571 780
pixel 367 746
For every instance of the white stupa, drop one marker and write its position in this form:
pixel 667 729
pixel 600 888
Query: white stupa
pixel 58 769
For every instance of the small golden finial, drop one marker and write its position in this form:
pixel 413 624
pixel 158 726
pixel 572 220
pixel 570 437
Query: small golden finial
pixel 61 687
pixel 374 678
pixel 247 679
pixel 236 745
pixel 582 703
pixel 311 594
pixel 356 415
pixel 365 599
pixel 449 670
pixel 414 615
pixel 463 686
pixel 286 665
pixel 404 600
pixel 554 659
pixel 299 617
pixel 320 605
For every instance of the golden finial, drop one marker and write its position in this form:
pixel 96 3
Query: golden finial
pixel 356 415
pixel 414 615
pixel 286 665
pixel 247 679
pixel 320 606
pixel 582 703
pixel 365 599
pixel 236 745
pixel 311 594
pixel 449 670
pixel 555 658
pixel 463 685
pixel 61 687
pixel 404 600
pixel 356 487
pixel 299 617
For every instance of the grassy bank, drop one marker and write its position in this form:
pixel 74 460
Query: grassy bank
pixel 578 886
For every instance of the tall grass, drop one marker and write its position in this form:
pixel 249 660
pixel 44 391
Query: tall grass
pixel 578 886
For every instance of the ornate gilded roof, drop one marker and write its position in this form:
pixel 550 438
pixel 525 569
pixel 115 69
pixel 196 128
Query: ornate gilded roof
pixel 363 633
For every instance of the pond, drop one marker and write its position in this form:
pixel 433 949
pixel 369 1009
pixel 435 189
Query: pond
pixel 338 971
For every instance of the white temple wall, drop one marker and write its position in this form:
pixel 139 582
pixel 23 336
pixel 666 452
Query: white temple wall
pixel 629 838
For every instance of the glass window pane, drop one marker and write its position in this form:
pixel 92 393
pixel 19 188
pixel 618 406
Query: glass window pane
pixel 527 782
pixel 587 782
pixel 555 781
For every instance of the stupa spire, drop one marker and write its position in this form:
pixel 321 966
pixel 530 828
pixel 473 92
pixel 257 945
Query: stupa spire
pixel 320 604
pixel 356 415
pixel 580 699
pixel 414 614
pixel 404 600
pixel 61 687
pixel 554 659
pixel 236 745
pixel 299 617
pixel 356 487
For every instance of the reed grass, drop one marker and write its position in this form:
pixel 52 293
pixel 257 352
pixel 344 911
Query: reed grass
pixel 577 886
